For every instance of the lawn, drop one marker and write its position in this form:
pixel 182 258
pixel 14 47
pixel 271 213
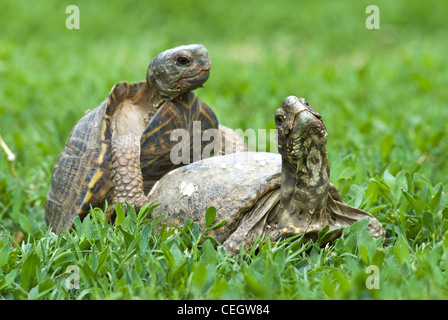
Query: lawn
pixel 382 94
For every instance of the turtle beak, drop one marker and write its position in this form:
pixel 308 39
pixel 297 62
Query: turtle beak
pixel 304 120
pixel 292 110
pixel 295 119
pixel 299 118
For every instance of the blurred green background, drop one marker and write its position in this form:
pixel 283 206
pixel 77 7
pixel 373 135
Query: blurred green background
pixel 382 93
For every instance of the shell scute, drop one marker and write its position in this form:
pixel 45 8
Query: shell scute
pixel 80 178
pixel 156 142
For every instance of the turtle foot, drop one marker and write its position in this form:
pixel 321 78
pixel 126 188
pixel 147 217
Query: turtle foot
pixel 344 215
pixel 333 214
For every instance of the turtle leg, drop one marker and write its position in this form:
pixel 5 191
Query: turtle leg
pixel 253 225
pixel 344 215
pixel 126 173
pixel 331 212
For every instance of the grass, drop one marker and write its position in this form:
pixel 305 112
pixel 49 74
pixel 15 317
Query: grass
pixel 382 94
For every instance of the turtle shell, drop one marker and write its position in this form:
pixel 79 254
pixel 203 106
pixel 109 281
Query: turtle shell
pixel 232 184
pixel 81 176
pixel 186 112
pixel 82 179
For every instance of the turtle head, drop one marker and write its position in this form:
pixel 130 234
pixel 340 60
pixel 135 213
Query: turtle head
pixel 301 133
pixel 302 143
pixel 179 70
pixel 307 201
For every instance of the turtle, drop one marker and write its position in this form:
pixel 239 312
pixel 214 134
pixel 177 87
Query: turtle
pixel 264 194
pixel 121 147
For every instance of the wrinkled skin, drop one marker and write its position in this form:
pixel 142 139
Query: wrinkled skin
pixel 179 70
pixel 305 182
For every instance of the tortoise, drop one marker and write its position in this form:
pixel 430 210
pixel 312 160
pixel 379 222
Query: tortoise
pixel 262 194
pixel 119 149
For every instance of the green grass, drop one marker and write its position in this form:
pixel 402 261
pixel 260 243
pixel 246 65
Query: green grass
pixel 382 94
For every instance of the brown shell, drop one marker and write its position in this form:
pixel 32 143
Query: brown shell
pixel 156 144
pixel 81 178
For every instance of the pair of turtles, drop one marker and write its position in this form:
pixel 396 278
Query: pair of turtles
pixel 121 150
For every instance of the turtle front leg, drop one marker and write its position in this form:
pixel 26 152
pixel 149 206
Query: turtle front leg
pixel 253 225
pixel 126 174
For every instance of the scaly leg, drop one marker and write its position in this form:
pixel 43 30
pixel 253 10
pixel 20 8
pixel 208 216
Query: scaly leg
pixel 126 173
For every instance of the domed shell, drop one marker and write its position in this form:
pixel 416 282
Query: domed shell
pixel 82 178
pixel 232 184
pixel 187 112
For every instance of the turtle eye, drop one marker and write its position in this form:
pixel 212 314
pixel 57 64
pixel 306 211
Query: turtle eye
pixel 279 119
pixel 183 61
